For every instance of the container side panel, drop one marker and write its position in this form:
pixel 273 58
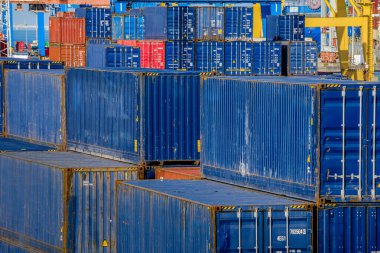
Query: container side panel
pixel 33 103
pixel 31 199
pixel 209 57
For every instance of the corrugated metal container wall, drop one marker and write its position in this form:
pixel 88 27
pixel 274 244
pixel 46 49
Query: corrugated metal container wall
pixel 302 58
pixel 6 248
pixel 179 55
pixel 156 116
pixel 238 58
pixel 205 216
pixel 267 58
pixel 155 23
pixel 98 21
pixel 101 56
pixel 349 229
pixel 169 23
pixel 286 27
pixel 117 27
pixel 178 173
pixel 60 201
pixel 35 106
pixel 238 23
pixel 209 56
pixel 291 136
pixel 13 145
pixel 67 30
pixel 99 41
pixel 134 27
pixel 152 54
pixel 210 23
pixel 71 55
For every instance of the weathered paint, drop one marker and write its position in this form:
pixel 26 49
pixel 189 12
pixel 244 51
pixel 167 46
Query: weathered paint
pixel 134 115
pixel 209 56
pixel 60 201
pixel 13 145
pixel 267 58
pixel 306 137
pixel 210 23
pixel 35 106
pixel 350 228
pixel 98 21
pixel 206 216
pixel 114 55
pixel 238 24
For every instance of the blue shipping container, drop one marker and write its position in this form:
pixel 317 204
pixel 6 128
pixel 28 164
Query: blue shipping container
pixel 114 55
pixel 302 58
pixel 209 56
pixel 299 136
pixel 98 21
pixel 60 201
pixel 210 23
pixel 134 115
pixel 238 58
pixel 179 55
pixel 349 229
pixel 117 27
pixel 206 216
pixel 134 26
pixel 267 58
pixel 6 248
pixel 169 23
pixel 238 23
pixel 35 107
pixel 315 35
pixel 13 145
pixel 286 28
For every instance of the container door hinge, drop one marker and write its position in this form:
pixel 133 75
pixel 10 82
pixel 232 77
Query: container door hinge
pixel 270 229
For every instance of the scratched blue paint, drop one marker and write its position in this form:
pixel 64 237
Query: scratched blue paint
pixel 34 106
pixel 136 115
pixel 60 201
pixel 203 216
pixel 350 228
pixel 285 135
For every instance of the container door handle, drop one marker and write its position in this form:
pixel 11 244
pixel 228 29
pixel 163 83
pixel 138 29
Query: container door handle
pixel 239 220
pixel 342 193
pixel 256 231
pixel 359 176
pixel 374 176
pixel 270 229
pixel 287 229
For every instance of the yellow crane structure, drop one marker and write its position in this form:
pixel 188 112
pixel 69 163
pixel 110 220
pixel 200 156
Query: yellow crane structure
pixel 341 21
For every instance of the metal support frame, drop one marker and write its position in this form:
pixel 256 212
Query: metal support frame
pixel 342 22
pixel 6 34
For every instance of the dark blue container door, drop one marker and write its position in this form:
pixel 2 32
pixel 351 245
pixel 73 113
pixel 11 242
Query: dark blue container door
pixel 289 229
pixel 238 23
pixel 373 230
pixel 342 141
pixel 373 142
pixel 342 230
pixel 230 225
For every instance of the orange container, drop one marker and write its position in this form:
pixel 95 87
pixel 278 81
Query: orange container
pixel 180 173
pixel 66 14
pixel 71 55
pixel 131 43
pixel 67 30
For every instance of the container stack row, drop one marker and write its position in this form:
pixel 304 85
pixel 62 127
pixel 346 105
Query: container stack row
pixel 83 39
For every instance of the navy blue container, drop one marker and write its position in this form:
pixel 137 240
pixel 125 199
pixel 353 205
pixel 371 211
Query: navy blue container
pixel 14 145
pixel 267 57
pixel 179 55
pixel 34 106
pixel 209 56
pixel 315 35
pixel 60 201
pixel 351 228
pixel 140 116
pixel 114 55
pixel 98 21
pixel 301 58
pixel 286 28
pixel 169 23
pixel 238 23
pixel 99 41
pixel 210 23
pixel 238 58
pixel 297 136
pixel 206 216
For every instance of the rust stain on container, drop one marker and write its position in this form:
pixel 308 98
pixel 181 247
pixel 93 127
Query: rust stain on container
pixel 71 55
pixel 184 173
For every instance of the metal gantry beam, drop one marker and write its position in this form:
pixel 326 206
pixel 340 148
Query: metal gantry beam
pixel 5 33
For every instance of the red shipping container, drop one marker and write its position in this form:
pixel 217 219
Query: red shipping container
pixel 71 55
pixel 180 173
pixel 67 30
pixel 20 46
pixel 152 52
